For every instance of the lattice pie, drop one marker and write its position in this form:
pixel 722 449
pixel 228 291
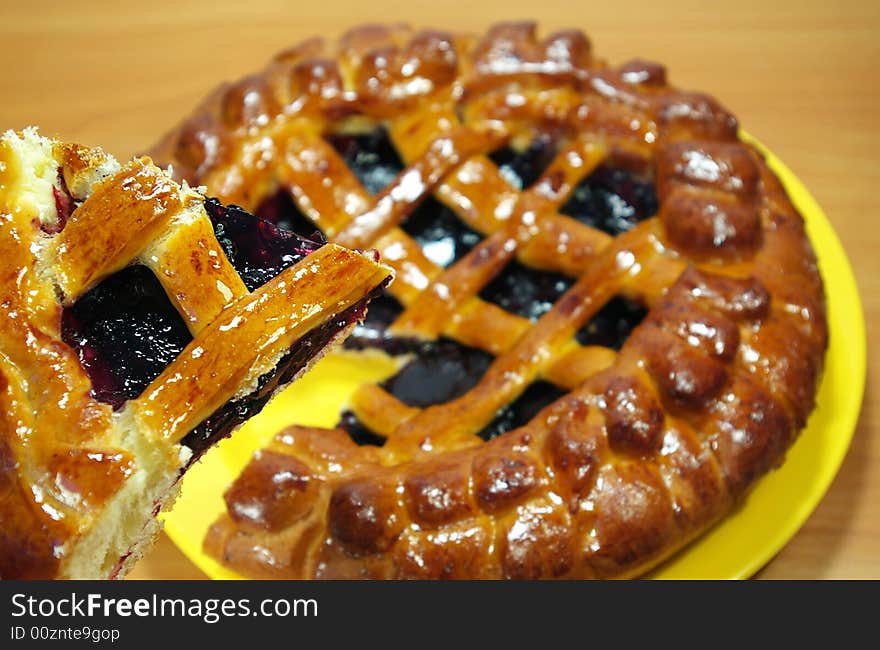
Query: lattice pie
pixel 608 318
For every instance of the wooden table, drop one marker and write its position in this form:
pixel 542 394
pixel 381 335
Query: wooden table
pixel 802 76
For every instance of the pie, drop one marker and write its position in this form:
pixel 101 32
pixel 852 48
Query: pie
pixel 141 324
pixel 608 318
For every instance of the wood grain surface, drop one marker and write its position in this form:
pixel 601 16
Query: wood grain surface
pixel 801 76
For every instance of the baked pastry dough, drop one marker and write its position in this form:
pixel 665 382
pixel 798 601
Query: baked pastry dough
pixel 101 411
pixel 538 187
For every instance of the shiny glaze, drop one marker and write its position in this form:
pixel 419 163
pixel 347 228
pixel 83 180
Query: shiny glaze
pixel 301 354
pixel 63 453
pixel 653 443
pixel 58 457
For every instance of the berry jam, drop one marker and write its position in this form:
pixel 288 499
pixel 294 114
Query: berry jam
pixel 373 331
pixel 371 157
pixel 522 168
pixel 611 325
pixel 612 200
pixel 125 331
pixel 443 237
pixel 356 430
pixel 525 291
pixel 280 209
pixel 512 416
pixel 441 371
pixel 258 250
pixel 524 408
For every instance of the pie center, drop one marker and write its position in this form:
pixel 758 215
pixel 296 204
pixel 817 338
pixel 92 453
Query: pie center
pixel 610 199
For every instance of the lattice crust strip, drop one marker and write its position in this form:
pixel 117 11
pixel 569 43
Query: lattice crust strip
pixel 69 218
pixel 652 444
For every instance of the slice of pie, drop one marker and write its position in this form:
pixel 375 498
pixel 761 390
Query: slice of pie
pixel 141 324
pixel 608 318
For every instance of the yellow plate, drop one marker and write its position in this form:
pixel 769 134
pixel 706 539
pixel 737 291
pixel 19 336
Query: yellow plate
pixel 736 548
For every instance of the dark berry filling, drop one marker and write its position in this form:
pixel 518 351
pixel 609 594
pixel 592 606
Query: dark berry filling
pixel 280 209
pixel 441 371
pixel 64 206
pixel 522 168
pixel 357 431
pixel 512 416
pixel 443 237
pixel 525 291
pixel 613 200
pixel 125 331
pixel 259 250
pixel 611 325
pixel 524 408
pixel 221 423
pixel 371 157
pixel 373 331
pixel 383 311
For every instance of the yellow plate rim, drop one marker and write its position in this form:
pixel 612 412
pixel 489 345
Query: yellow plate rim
pixel 842 385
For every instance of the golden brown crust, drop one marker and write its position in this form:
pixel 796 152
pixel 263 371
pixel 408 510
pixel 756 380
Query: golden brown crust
pixel 64 455
pixel 654 443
